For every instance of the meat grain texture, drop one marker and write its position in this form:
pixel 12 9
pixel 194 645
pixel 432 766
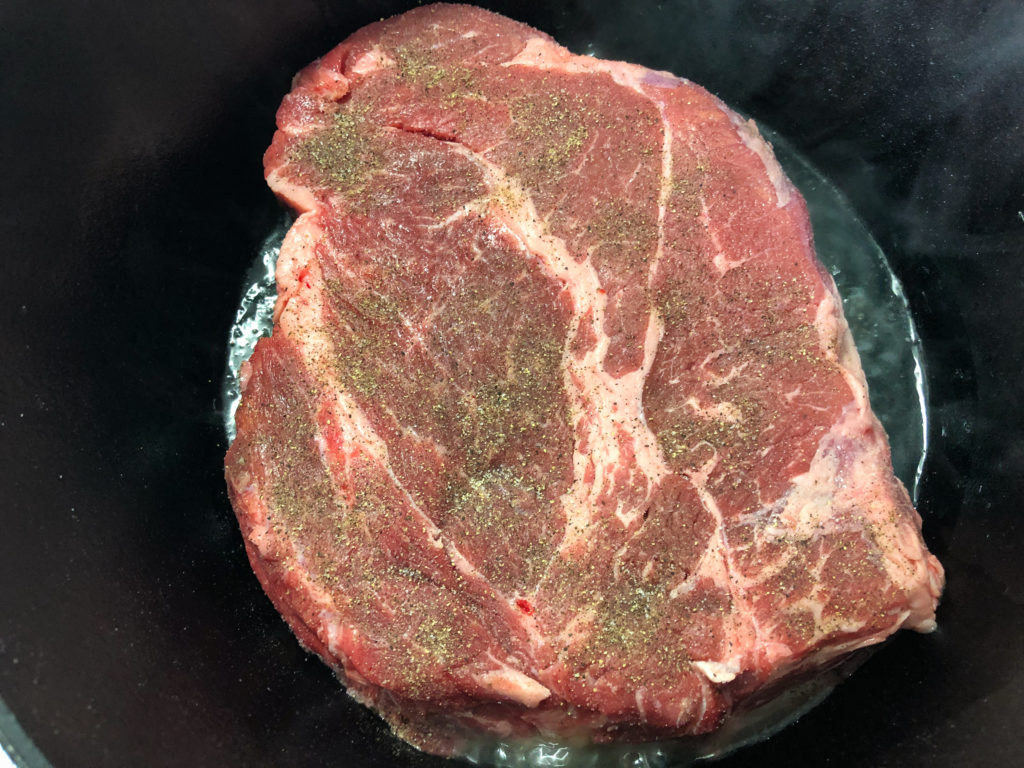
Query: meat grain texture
pixel 560 431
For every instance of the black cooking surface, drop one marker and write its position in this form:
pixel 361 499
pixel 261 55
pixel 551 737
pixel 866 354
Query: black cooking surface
pixel 132 631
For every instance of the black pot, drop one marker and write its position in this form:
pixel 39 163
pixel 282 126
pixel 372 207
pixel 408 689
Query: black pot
pixel 132 631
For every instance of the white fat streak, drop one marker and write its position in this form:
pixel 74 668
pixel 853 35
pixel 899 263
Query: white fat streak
pixel 906 560
pixel 300 321
pixel 638 697
pixel 823 486
pixel 665 192
pixel 541 54
pixel 296 251
pixel 713 378
pixel 616 403
pixel 751 137
pixel 810 505
pixel 746 634
pixel 722 262
pixel 461 562
pixel 647 570
pixel 613 403
pixel 707 567
pixel 298 197
pixel 371 61
pixel 781 657
pixel 300 313
pixel 720 671
pixel 836 343
pixel 706 694
pixel 576 629
pixel 510 683
pixel 724 410
pixel 528 623
pixel 808 511
pixel 620 552
pixel 816 608
pixel 794 393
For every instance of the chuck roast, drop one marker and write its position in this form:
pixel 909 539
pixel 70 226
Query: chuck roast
pixel 561 431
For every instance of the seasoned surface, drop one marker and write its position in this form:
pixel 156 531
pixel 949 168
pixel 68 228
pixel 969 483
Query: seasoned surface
pixel 560 429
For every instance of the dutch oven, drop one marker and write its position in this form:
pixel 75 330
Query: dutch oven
pixel 132 631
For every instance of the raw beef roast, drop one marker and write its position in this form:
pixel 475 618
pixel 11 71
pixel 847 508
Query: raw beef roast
pixel 561 431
